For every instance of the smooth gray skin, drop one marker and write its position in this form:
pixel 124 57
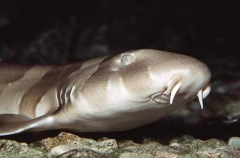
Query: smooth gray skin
pixel 112 93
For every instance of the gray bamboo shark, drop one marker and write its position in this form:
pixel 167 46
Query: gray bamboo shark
pixel 112 93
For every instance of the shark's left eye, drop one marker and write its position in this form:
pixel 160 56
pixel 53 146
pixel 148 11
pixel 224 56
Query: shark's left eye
pixel 127 59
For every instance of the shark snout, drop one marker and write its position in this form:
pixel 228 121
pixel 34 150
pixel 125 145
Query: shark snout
pixel 185 83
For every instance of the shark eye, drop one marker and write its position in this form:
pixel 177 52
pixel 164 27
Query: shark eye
pixel 127 59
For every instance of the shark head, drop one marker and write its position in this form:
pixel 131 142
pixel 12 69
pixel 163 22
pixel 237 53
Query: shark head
pixel 141 86
pixel 163 76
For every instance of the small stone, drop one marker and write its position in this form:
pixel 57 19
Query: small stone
pixel 101 147
pixel 9 148
pixel 174 145
pixel 127 143
pixel 104 146
pixel 83 153
pixel 135 155
pixel 234 142
pixel 58 150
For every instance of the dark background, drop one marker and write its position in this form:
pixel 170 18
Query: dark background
pixel 63 31
pixel 57 32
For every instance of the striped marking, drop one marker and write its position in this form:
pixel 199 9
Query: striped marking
pixel 29 90
pixel 12 73
pixel 18 88
pixel 9 74
pixel 51 79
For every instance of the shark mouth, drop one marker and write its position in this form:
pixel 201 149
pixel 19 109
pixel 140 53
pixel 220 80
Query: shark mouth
pixel 164 97
pixel 201 94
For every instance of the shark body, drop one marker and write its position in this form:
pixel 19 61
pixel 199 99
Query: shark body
pixel 112 93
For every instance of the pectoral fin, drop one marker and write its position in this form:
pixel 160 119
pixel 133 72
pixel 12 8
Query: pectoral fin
pixel 13 123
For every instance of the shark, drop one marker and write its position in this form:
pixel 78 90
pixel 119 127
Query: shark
pixel 111 93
